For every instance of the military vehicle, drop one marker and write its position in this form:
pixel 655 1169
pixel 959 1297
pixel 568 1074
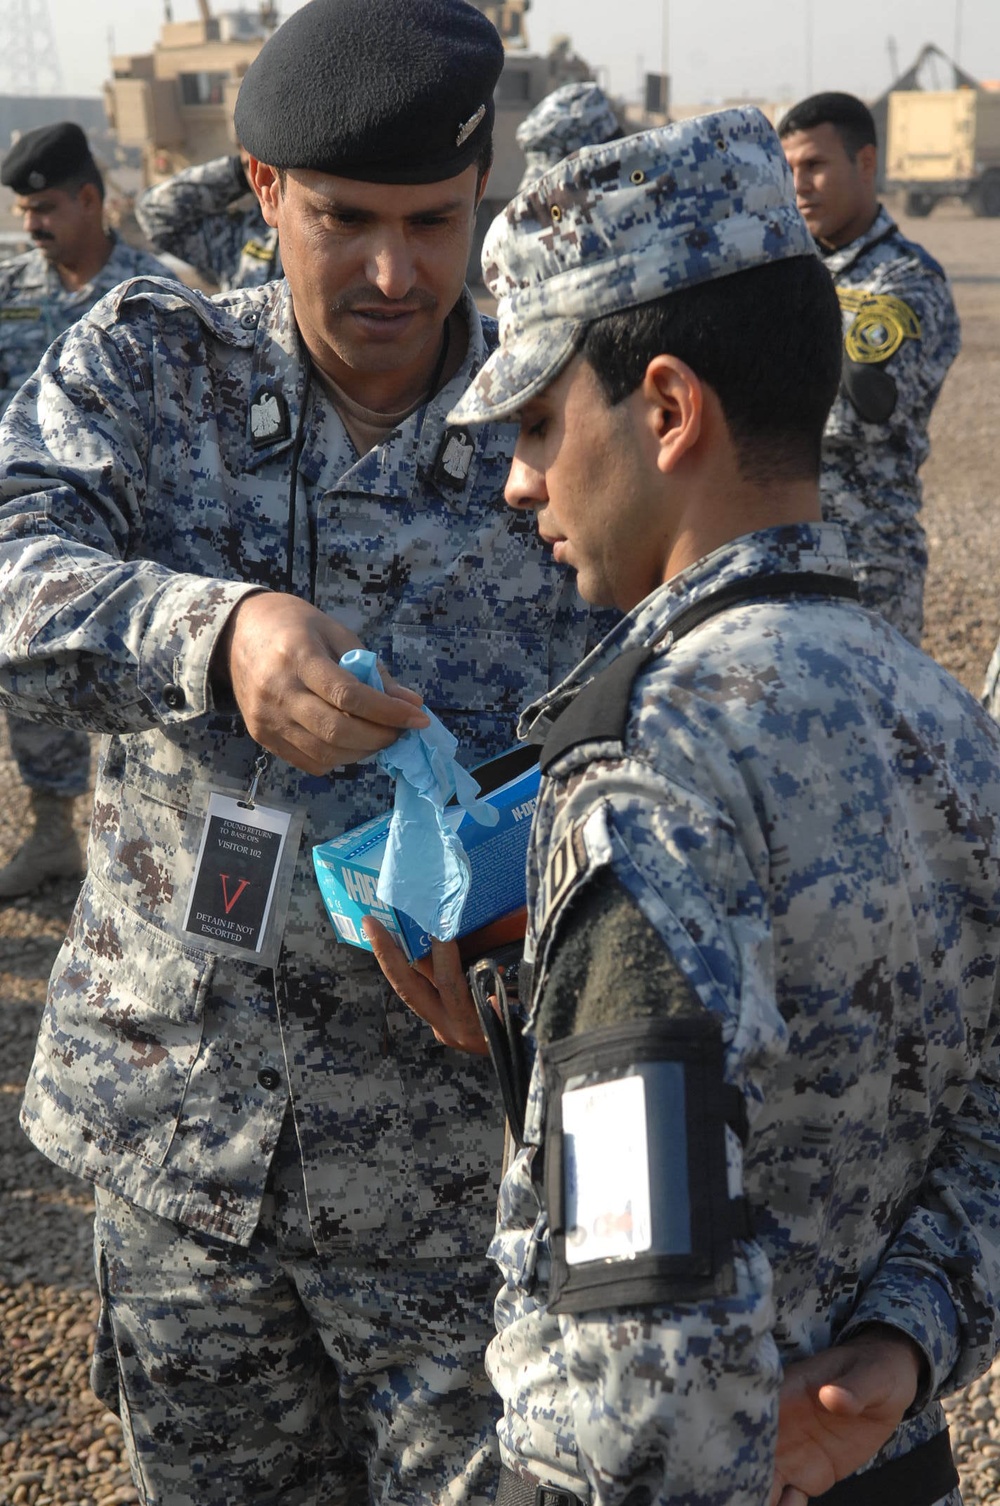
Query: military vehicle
pixel 943 143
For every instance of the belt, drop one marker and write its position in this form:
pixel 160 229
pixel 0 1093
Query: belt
pixel 918 1478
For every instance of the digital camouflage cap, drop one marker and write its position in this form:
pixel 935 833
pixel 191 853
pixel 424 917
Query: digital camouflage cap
pixel 572 116
pixel 622 224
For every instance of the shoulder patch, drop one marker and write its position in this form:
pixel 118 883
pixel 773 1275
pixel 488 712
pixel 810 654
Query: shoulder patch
pixel 258 251
pixel 881 324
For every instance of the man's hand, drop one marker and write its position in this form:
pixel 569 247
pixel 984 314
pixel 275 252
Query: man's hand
pixel 279 656
pixel 434 988
pixel 838 1408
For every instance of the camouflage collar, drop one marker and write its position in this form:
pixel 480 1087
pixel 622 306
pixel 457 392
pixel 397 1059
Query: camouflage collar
pixel 838 260
pixel 799 548
pixel 408 460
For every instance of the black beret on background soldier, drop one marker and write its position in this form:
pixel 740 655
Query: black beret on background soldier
pixel 75 260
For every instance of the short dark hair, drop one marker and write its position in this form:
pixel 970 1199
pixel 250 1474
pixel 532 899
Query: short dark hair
pixel 849 116
pixel 767 340
pixel 91 174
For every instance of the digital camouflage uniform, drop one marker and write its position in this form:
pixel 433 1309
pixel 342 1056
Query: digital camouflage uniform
pixel 165 1072
pixel 901 334
pixel 572 116
pixel 796 828
pixel 197 216
pixel 763 894
pixel 34 309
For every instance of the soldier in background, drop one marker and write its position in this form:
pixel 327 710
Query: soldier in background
pixel 75 261
pixel 761 1153
pixel 901 334
pixel 208 217
pixel 572 116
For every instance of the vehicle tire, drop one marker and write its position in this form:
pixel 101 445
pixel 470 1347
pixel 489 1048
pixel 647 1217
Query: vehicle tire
pixel 917 204
pixel 985 197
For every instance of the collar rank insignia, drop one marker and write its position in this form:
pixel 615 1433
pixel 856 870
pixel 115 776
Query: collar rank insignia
pixel 268 418
pixel 466 130
pixel 454 457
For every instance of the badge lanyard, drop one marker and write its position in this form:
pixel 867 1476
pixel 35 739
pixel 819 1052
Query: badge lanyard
pixel 243 872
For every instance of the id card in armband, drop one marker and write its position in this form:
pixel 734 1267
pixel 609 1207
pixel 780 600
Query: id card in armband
pixel 238 899
pixel 635 1165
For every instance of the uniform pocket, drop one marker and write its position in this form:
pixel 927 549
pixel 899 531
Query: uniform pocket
pixel 122 1025
pixel 477 683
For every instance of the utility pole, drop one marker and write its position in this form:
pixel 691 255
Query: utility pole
pixel 890 43
pixel 29 60
pixel 956 49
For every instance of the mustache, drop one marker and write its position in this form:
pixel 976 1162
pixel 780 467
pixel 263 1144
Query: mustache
pixel 373 302
pixel 41 235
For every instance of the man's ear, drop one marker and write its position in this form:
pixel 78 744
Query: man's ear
pixel 675 402
pixel 867 163
pixel 90 197
pixel 266 185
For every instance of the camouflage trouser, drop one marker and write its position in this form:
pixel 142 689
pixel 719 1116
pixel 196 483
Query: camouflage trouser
pixel 270 1375
pixel 55 760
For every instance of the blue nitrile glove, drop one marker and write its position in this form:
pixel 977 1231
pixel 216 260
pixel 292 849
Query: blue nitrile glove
pixel 425 870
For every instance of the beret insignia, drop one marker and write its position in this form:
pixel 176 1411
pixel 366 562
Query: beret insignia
pixel 466 130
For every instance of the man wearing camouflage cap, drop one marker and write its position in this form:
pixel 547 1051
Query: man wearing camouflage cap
pixel 572 116
pixel 203 504
pixel 76 260
pixel 763 887
pixel 201 216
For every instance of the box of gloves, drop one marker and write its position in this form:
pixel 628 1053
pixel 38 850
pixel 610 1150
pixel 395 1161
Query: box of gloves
pixel 348 867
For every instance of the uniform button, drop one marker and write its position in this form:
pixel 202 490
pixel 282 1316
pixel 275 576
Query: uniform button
pixel 249 321
pixel 268 1078
pixel 174 697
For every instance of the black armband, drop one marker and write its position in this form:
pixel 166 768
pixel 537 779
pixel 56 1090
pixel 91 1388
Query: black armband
pixel 870 390
pixel 635 1165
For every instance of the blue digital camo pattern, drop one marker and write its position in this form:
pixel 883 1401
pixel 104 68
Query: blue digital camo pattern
pixel 340 1360
pixel 616 225
pixel 870 483
pixel 807 810
pixel 572 116
pixel 200 216
pixel 34 309
pixel 135 511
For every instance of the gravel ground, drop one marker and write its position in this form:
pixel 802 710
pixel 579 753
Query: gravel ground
pixel 58 1447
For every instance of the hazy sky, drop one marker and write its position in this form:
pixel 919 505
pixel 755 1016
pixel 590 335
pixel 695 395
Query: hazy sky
pixel 716 48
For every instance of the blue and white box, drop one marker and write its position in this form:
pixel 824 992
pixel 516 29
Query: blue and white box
pixel 347 867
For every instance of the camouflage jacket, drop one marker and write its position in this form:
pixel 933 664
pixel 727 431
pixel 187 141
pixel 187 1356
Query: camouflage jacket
pixel 801 813
pixel 200 216
pixel 136 509
pixel 901 334
pixel 35 307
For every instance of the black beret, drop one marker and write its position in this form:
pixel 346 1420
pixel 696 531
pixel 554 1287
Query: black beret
pixel 386 91
pixel 46 157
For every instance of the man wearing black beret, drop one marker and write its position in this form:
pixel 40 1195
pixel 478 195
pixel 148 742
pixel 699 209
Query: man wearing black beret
pixel 75 261
pixel 203 504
